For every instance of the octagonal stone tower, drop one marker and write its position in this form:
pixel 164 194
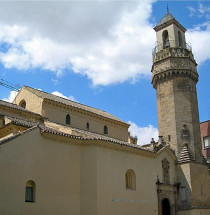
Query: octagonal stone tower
pixel 174 78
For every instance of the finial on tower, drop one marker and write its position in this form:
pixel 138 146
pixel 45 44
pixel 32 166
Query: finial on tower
pixel 167 9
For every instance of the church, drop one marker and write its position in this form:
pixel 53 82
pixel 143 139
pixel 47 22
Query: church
pixel 62 157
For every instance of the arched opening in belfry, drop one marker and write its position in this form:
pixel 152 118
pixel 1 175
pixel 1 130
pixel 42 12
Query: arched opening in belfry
pixel 166 209
pixel 180 39
pixel 166 43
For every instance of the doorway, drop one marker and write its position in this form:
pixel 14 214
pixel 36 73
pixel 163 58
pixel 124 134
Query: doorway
pixel 166 210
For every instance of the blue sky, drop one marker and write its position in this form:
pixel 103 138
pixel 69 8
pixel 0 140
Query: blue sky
pixel 99 53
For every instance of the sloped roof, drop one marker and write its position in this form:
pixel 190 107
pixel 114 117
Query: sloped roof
pixel 77 105
pixel 186 155
pixel 92 136
pixel 21 122
pixel 17 107
pixel 168 18
pixel 82 135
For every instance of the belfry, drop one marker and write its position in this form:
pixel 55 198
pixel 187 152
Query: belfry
pixel 174 76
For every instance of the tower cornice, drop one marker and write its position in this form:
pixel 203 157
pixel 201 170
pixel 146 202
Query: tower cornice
pixel 173 73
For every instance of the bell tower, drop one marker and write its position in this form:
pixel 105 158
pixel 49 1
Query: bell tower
pixel 174 77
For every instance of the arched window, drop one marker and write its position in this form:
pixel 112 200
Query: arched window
pixel 87 126
pixel 30 191
pixel 22 103
pixel 105 129
pixel 68 119
pixel 166 43
pixel 130 179
pixel 180 39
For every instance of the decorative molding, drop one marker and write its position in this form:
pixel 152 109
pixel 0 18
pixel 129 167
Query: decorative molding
pixel 171 74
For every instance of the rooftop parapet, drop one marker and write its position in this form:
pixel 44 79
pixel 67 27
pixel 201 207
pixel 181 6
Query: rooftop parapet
pixel 170 48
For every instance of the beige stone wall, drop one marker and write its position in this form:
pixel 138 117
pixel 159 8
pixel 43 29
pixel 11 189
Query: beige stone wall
pixel 184 200
pixel 173 36
pixel 186 111
pixel 77 179
pixel 177 106
pixel 56 112
pixel 195 181
pixel 80 118
pixel 11 112
pixel 194 212
pixel 103 188
pixel 55 168
pixel 166 112
pixel 200 186
pixel 33 102
pixel 1 121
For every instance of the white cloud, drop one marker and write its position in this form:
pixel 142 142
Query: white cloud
pixel 11 96
pixel 109 42
pixel 72 98
pixel 192 10
pixel 200 11
pixel 199 38
pixel 199 35
pixel 144 134
pixel 203 10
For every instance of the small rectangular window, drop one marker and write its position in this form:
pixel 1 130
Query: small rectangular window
pixel 206 142
pixel 29 194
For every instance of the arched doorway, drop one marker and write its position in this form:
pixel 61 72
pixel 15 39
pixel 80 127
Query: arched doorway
pixel 166 210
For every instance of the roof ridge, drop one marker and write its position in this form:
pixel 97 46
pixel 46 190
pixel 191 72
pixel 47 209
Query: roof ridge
pixel 167 18
pixel 17 135
pixel 68 102
pixel 65 99
pixel 17 107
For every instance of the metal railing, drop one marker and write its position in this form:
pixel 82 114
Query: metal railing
pixel 172 44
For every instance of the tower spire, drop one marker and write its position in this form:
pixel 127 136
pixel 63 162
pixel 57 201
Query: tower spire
pixel 167 9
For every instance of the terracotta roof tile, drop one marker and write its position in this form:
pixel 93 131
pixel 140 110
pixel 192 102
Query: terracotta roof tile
pixel 85 135
pixel 17 107
pixel 67 102
pixel 168 18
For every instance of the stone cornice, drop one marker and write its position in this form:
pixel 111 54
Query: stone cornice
pixel 172 52
pixel 171 74
pixel 86 113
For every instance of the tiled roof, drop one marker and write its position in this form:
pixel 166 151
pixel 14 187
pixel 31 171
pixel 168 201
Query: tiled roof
pixel 45 129
pixel 17 107
pixel 64 101
pixel 186 155
pixel 86 135
pixel 2 141
pixel 21 122
pixel 168 18
pixel 83 135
